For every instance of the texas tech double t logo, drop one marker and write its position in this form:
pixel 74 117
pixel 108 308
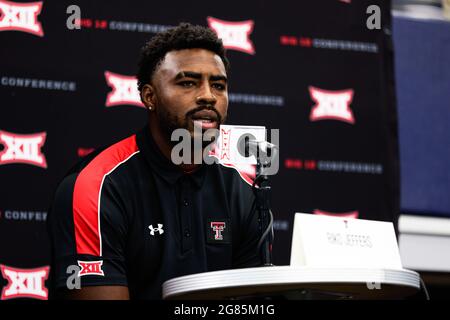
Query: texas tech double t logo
pixel 218 231
pixel 218 227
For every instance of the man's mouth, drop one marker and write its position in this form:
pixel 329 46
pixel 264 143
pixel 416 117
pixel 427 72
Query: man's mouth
pixel 205 119
pixel 205 123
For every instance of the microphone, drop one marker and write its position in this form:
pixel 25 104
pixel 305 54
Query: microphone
pixel 249 146
pixel 263 146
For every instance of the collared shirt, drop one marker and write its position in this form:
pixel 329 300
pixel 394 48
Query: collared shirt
pixel 128 216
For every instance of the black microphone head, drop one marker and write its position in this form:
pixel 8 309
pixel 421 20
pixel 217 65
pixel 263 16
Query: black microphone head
pixel 243 145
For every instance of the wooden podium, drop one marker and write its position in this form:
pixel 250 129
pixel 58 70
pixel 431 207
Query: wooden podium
pixel 286 282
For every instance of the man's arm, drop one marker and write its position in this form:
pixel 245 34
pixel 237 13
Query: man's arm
pixel 103 273
pixel 96 293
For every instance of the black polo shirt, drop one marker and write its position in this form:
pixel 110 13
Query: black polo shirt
pixel 127 216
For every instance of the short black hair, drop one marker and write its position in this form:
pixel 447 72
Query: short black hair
pixel 183 36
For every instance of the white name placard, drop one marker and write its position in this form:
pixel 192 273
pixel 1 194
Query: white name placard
pixel 324 241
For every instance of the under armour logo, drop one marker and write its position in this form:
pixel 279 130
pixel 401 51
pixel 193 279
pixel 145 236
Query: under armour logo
pixel 159 229
pixel 124 90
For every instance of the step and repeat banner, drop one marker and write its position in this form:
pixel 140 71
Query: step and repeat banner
pixel 314 70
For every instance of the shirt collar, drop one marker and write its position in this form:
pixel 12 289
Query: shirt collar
pixel 162 166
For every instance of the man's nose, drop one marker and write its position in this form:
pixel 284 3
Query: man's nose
pixel 206 96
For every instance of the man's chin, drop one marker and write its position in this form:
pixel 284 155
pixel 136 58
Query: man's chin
pixel 207 136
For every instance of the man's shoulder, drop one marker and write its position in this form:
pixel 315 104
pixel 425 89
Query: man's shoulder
pixel 94 167
pixel 107 158
pixel 95 175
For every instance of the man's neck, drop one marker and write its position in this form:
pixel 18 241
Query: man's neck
pixel 165 146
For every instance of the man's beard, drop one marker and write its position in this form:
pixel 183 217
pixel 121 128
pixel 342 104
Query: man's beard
pixel 169 123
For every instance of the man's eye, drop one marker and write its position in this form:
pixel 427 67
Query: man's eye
pixel 218 86
pixel 186 84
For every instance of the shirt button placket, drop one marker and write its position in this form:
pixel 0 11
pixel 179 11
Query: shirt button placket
pixel 186 218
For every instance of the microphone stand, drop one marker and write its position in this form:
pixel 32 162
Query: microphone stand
pixel 261 189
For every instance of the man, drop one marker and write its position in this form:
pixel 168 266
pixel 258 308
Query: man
pixel 127 216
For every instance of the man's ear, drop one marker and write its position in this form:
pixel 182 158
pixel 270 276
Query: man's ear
pixel 148 96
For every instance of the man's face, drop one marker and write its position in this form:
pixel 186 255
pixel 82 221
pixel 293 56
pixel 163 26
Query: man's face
pixel 190 90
